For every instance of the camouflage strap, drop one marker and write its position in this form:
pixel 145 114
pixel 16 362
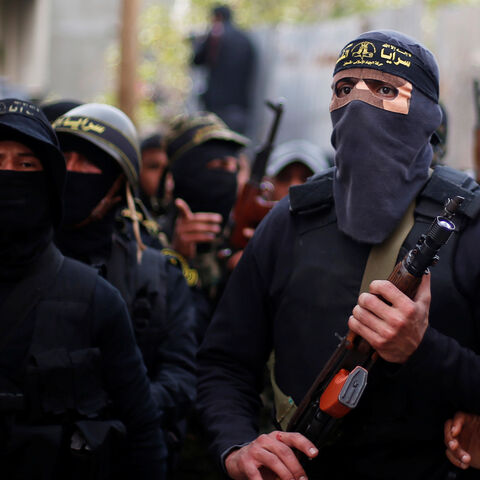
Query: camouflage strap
pixel 380 263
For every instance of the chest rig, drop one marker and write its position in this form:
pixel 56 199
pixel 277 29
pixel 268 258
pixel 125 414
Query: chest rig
pixel 327 274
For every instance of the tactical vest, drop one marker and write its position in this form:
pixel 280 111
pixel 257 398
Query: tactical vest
pixel 143 286
pixel 323 289
pixel 63 387
pixel 328 268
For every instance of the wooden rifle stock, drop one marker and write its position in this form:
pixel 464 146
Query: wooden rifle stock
pixel 476 159
pixel 251 206
pixel 342 381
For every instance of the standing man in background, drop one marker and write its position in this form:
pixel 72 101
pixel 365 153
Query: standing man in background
pixel 229 57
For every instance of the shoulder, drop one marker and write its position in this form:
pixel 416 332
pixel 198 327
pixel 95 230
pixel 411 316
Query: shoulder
pixel 79 284
pixel 315 194
pixel 445 183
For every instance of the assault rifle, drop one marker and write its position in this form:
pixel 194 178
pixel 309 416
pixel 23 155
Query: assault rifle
pixel 476 159
pixel 339 386
pixel 252 206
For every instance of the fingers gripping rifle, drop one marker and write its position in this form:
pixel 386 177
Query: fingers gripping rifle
pixel 341 383
pixel 251 206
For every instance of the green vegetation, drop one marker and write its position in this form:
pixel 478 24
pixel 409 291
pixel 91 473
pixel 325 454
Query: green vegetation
pixel 165 28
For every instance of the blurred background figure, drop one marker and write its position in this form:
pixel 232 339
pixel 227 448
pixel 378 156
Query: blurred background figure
pixel 292 163
pixel 156 182
pixel 229 57
pixel 203 155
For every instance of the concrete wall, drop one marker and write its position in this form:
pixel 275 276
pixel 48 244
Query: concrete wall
pixel 82 31
pixel 296 62
pixel 457 40
pixel 25 46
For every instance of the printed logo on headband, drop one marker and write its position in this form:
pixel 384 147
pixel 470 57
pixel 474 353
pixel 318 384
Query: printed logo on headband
pixel 367 53
pixel 18 106
pixel 79 124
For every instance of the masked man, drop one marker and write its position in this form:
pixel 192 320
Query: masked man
pixel 71 377
pixel 203 155
pixel 300 277
pixel 101 149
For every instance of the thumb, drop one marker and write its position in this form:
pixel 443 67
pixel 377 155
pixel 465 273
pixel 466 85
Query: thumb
pixel 183 209
pixel 423 293
pixel 458 423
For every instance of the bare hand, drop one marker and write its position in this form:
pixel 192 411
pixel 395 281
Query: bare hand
pixel 192 228
pixel 462 438
pixel 270 457
pixel 395 330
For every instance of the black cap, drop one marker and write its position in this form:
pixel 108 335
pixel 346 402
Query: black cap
pixel 26 123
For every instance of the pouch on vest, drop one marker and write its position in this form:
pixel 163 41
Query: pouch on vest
pixel 96 449
pixel 33 452
pixel 61 382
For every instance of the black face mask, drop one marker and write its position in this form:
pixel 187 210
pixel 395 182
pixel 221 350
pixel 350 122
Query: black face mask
pixel 382 161
pixel 206 190
pixel 83 192
pixel 25 219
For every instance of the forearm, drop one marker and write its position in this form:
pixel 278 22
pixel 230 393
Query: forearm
pixel 451 370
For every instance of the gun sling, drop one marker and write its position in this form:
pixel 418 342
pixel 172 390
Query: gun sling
pixel 381 261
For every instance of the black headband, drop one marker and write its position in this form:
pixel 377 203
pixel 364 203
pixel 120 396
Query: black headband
pixel 383 56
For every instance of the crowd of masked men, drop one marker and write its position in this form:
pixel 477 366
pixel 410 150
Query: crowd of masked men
pixel 109 244
pixel 115 251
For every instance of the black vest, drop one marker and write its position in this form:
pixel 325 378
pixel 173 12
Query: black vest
pixel 143 286
pixel 323 289
pixel 62 385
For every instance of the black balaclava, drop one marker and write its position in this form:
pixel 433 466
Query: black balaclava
pixel 206 190
pixel 90 243
pixel 25 219
pixel 30 202
pixel 382 157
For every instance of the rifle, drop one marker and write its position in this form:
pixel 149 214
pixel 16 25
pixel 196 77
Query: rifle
pixel 341 383
pixel 251 206
pixel 476 159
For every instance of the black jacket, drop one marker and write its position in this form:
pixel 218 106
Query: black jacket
pixel 163 317
pixel 397 431
pixel 73 356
